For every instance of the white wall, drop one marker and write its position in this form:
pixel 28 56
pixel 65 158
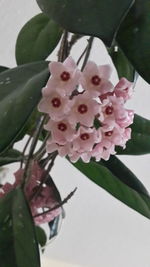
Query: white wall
pixel 98 229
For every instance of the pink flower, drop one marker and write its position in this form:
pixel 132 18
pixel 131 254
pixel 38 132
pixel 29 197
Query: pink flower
pixel 114 111
pixel 55 105
pixel 61 131
pixel 85 140
pixel 126 118
pixel 64 77
pixel 103 150
pixel 74 156
pixel 124 89
pixel 106 95
pixel 63 150
pixel 84 110
pixel 116 135
pixel 95 79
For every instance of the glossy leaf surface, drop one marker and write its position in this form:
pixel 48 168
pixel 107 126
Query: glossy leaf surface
pixel 134 37
pixel 37 39
pixel 20 91
pixel 93 17
pixel 110 181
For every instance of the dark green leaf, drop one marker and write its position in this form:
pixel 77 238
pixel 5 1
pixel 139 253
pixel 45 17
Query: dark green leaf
pixel 41 236
pixel 37 39
pixel 118 169
pixel 19 97
pixel 2 68
pixel 134 37
pixel 110 182
pixel 29 126
pixel 139 143
pixel 18 245
pixel 141 125
pixel 123 66
pixel 10 156
pixel 93 17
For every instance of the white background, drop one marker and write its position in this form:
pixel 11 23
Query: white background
pixel 98 230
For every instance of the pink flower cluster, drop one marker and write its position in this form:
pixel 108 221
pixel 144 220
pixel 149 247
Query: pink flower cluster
pixel 44 199
pixel 87 117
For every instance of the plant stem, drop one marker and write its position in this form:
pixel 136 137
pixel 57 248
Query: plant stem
pixel 90 43
pixel 63 51
pixel 58 205
pixel 82 55
pixel 52 161
pixel 45 175
pixel 32 148
pixel 24 150
pixel 40 153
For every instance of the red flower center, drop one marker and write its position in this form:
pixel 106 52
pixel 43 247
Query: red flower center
pixel 65 76
pixel 96 80
pixel 82 108
pixel 62 126
pixel 84 136
pixel 109 110
pixel 56 102
pixel 109 133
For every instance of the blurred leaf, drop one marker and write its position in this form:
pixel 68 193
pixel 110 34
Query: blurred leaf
pixel 18 245
pixel 123 66
pixel 37 39
pixel 93 17
pixel 134 37
pixel 112 184
pixel 10 156
pixel 139 143
pixel 19 97
pixel 41 236
pixel 2 68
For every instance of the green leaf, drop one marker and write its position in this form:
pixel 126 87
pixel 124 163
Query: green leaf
pixel 30 125
pixel 139 143
pixel 134 37
pixel 37 39
pixel 19 97
pixel 93 17
pixel 41 236
pixel 124 174
pixel 112 184
pixel 18 245
pixel 141 125
pixel 2 68
pixel 123 66
pixel 10 156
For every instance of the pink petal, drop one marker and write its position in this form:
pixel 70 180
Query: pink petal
pixel 105 71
